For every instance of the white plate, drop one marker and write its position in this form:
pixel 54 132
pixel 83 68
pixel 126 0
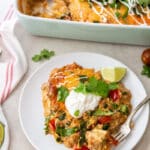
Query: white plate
pixel 31 110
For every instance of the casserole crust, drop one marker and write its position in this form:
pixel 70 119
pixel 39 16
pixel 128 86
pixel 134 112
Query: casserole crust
pixel 110 12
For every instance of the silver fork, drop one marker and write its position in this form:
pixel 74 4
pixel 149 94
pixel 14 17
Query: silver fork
pixel 125 129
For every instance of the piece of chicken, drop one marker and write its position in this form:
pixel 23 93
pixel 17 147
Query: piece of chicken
pixel 97 139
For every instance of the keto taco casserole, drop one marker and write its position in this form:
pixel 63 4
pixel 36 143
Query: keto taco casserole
pixel 131 12
pixel 82 110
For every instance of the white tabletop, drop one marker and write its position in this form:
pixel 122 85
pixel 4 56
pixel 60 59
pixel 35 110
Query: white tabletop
pixel 130 55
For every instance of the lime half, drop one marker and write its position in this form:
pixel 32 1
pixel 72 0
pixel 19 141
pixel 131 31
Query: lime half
pixel 113 74
pixel 2 134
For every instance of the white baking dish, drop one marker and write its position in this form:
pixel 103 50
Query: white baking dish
pixel 128 34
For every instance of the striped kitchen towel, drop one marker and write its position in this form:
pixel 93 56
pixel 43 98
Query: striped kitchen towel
pixel 12 66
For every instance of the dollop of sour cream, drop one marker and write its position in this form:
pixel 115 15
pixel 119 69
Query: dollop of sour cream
pixel 78 103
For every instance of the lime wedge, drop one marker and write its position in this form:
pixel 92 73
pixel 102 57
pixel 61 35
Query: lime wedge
pixel 113 74
pixel 2 133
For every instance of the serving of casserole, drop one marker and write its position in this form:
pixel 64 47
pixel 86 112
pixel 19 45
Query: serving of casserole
pixel 82 110
pixel 117 21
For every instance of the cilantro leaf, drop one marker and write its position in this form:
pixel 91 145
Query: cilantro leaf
pixel 65 132
pixel 77 112
pixel 63 92
pixel 47 54
pixel 81 88
pixel 36 58
pixel 113 86
pixel 44 54
pixel 124 109
pixel 97 87
pixel 100 112
pixel 94 86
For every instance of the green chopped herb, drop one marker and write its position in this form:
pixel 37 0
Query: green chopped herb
pixel 106 126
pixel 36 58
pixel 117 14
pixel 113 86
pixel 82 138
pixel 100 112
pixel 76 113
pixel 95 21
pixel 146 71
pixel 47 54
pixel 81 88
pixel 94 86
pixel 63 92
pixel 46 124
pixel 44 54
pixel 61 131
pixel 112 5
pixel 124 109
pixel 105 105
pixel 115 106
pixel 62 116
pixel 124 93
pixel 83 78
pixel 58 139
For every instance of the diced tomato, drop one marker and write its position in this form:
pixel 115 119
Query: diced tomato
pixel 113 141
pixel 82 148
pixel 104 119
pixel 52 125
pixel 115 94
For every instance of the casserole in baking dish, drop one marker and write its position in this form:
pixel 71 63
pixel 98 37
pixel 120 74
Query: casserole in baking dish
pixel 105 21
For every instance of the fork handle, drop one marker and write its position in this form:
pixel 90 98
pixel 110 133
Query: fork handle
pixel 136 109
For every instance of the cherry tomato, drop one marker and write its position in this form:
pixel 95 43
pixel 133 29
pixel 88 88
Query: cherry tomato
pixel 146 56
pixel 104 119
pixel 115 94
pixel 82 148
pixel 52 125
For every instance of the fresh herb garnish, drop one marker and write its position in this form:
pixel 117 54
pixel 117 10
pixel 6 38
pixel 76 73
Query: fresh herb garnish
pixel 100 112
pixel 146 71
pixel 65 132
pixel 95 21
pixel 46 124
pixel 105 105
pixel 124 93
pixel 117 14
pixel 44 54
pixel 124 109
pixel 113 86
pixel 95 86
pixel 62 116
pixel 58 139
pixel 106 126
pixel 63 92
pixel 76 113
pixel 82 138
pixel 115 106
